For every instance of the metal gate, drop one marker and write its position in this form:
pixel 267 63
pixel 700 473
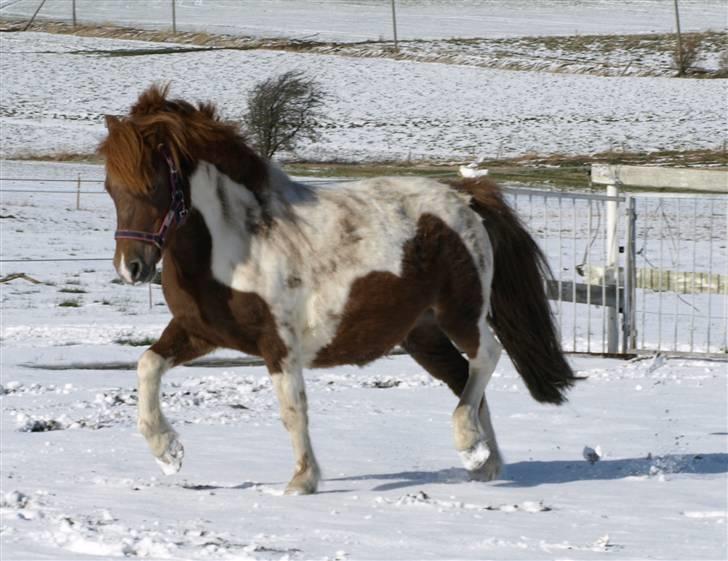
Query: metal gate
pixel 679 281
pixel 635 273
pixel 572 230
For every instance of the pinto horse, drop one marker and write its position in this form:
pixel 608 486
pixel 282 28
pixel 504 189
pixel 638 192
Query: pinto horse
pixel 317 277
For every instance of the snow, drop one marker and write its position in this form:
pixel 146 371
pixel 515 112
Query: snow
pixel 359 20
pixel 377 109
pixel 393 487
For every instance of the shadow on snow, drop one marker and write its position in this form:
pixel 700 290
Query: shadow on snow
pixel 532 473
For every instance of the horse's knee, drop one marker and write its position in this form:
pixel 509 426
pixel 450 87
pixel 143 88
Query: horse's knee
pixel 151 366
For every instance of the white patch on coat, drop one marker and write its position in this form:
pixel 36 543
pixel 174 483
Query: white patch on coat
pixel 322 240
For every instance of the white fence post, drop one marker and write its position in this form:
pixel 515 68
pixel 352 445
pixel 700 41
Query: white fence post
pixel 629 324
pixel 611 268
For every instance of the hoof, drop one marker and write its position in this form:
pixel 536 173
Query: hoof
pixel 490 471
pixel 475 457
pixel 170 461
pixel 304 483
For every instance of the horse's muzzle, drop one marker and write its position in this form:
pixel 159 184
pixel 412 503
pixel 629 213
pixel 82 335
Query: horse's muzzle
pixel 136 270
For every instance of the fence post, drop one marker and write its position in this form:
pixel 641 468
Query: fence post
pixel 73 13
pixel 629 324
pixel 78 192
pixel 174 17
pixel 679 41
pixel 394 26
pixel 611 269
pixel 32 19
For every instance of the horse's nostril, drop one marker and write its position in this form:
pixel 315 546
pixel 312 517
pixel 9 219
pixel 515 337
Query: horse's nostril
pixel 135 270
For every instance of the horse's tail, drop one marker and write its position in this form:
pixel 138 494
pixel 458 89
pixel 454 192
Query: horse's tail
pixel 519 310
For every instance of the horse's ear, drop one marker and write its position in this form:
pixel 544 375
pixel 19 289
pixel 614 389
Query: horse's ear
pixel 111 122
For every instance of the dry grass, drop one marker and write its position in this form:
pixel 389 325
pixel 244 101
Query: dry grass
pixel 607 55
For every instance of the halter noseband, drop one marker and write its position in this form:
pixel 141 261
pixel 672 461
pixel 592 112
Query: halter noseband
pixel 177 213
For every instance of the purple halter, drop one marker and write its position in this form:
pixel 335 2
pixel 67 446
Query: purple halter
pixel 177 213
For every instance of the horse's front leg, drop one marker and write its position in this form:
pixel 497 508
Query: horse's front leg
pixel 175 346
pixel 291 392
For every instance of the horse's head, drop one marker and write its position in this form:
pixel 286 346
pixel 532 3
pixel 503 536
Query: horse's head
pixel 146 153
pixel 149 155
pixel 139 180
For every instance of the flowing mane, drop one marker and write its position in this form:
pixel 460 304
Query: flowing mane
pixel 189 133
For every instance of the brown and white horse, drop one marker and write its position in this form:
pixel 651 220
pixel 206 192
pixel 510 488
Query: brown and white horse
pixel 316 277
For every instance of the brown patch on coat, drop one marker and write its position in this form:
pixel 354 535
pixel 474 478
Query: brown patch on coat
pixel 349 230
pixel 211 311
pixel 438 273
pixel 433 351
pixel 179 345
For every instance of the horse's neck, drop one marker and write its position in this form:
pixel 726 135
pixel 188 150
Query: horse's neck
pixel 235 212
pixel 284 191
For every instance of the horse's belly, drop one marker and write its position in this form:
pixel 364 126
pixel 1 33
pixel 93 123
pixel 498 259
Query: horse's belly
pixel 379 313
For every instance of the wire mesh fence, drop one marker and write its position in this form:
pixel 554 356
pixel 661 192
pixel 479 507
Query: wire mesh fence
pixel 678 260
pixel 570 228
pixel 682 273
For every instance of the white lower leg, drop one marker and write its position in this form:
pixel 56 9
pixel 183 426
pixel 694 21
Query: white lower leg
pixel 160 435
pixel 471 440
pixel 291 393
pixel 492 467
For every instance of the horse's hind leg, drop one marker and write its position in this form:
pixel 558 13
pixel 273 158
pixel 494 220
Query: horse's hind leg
pixel 291 392
pixel 474 435
pixel 174 347
pixel 428 344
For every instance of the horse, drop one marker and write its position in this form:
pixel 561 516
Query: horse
pixel 314 277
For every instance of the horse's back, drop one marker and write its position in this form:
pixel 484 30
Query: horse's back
pixel 418 247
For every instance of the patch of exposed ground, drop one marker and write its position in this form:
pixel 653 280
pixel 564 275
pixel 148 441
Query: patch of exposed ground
pixel 600 55
pixel 555 169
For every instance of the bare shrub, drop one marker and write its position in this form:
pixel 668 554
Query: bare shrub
pixel 685 57
pixel 283 110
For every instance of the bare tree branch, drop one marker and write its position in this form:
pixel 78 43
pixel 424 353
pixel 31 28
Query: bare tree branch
pixel 283 110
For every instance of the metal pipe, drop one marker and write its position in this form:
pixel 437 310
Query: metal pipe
pixel 394 26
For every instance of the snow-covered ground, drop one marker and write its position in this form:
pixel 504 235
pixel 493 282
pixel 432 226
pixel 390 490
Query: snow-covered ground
pixel 54 93
pixel 598 55
pixel 393 489
pixel 358 20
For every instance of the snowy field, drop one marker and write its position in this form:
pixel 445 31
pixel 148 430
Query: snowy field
pixel 359 20
pixel 87 488
pixel 55 90
pixel 77 480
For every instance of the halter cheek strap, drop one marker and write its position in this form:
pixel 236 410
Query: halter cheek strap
pixel 177 213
